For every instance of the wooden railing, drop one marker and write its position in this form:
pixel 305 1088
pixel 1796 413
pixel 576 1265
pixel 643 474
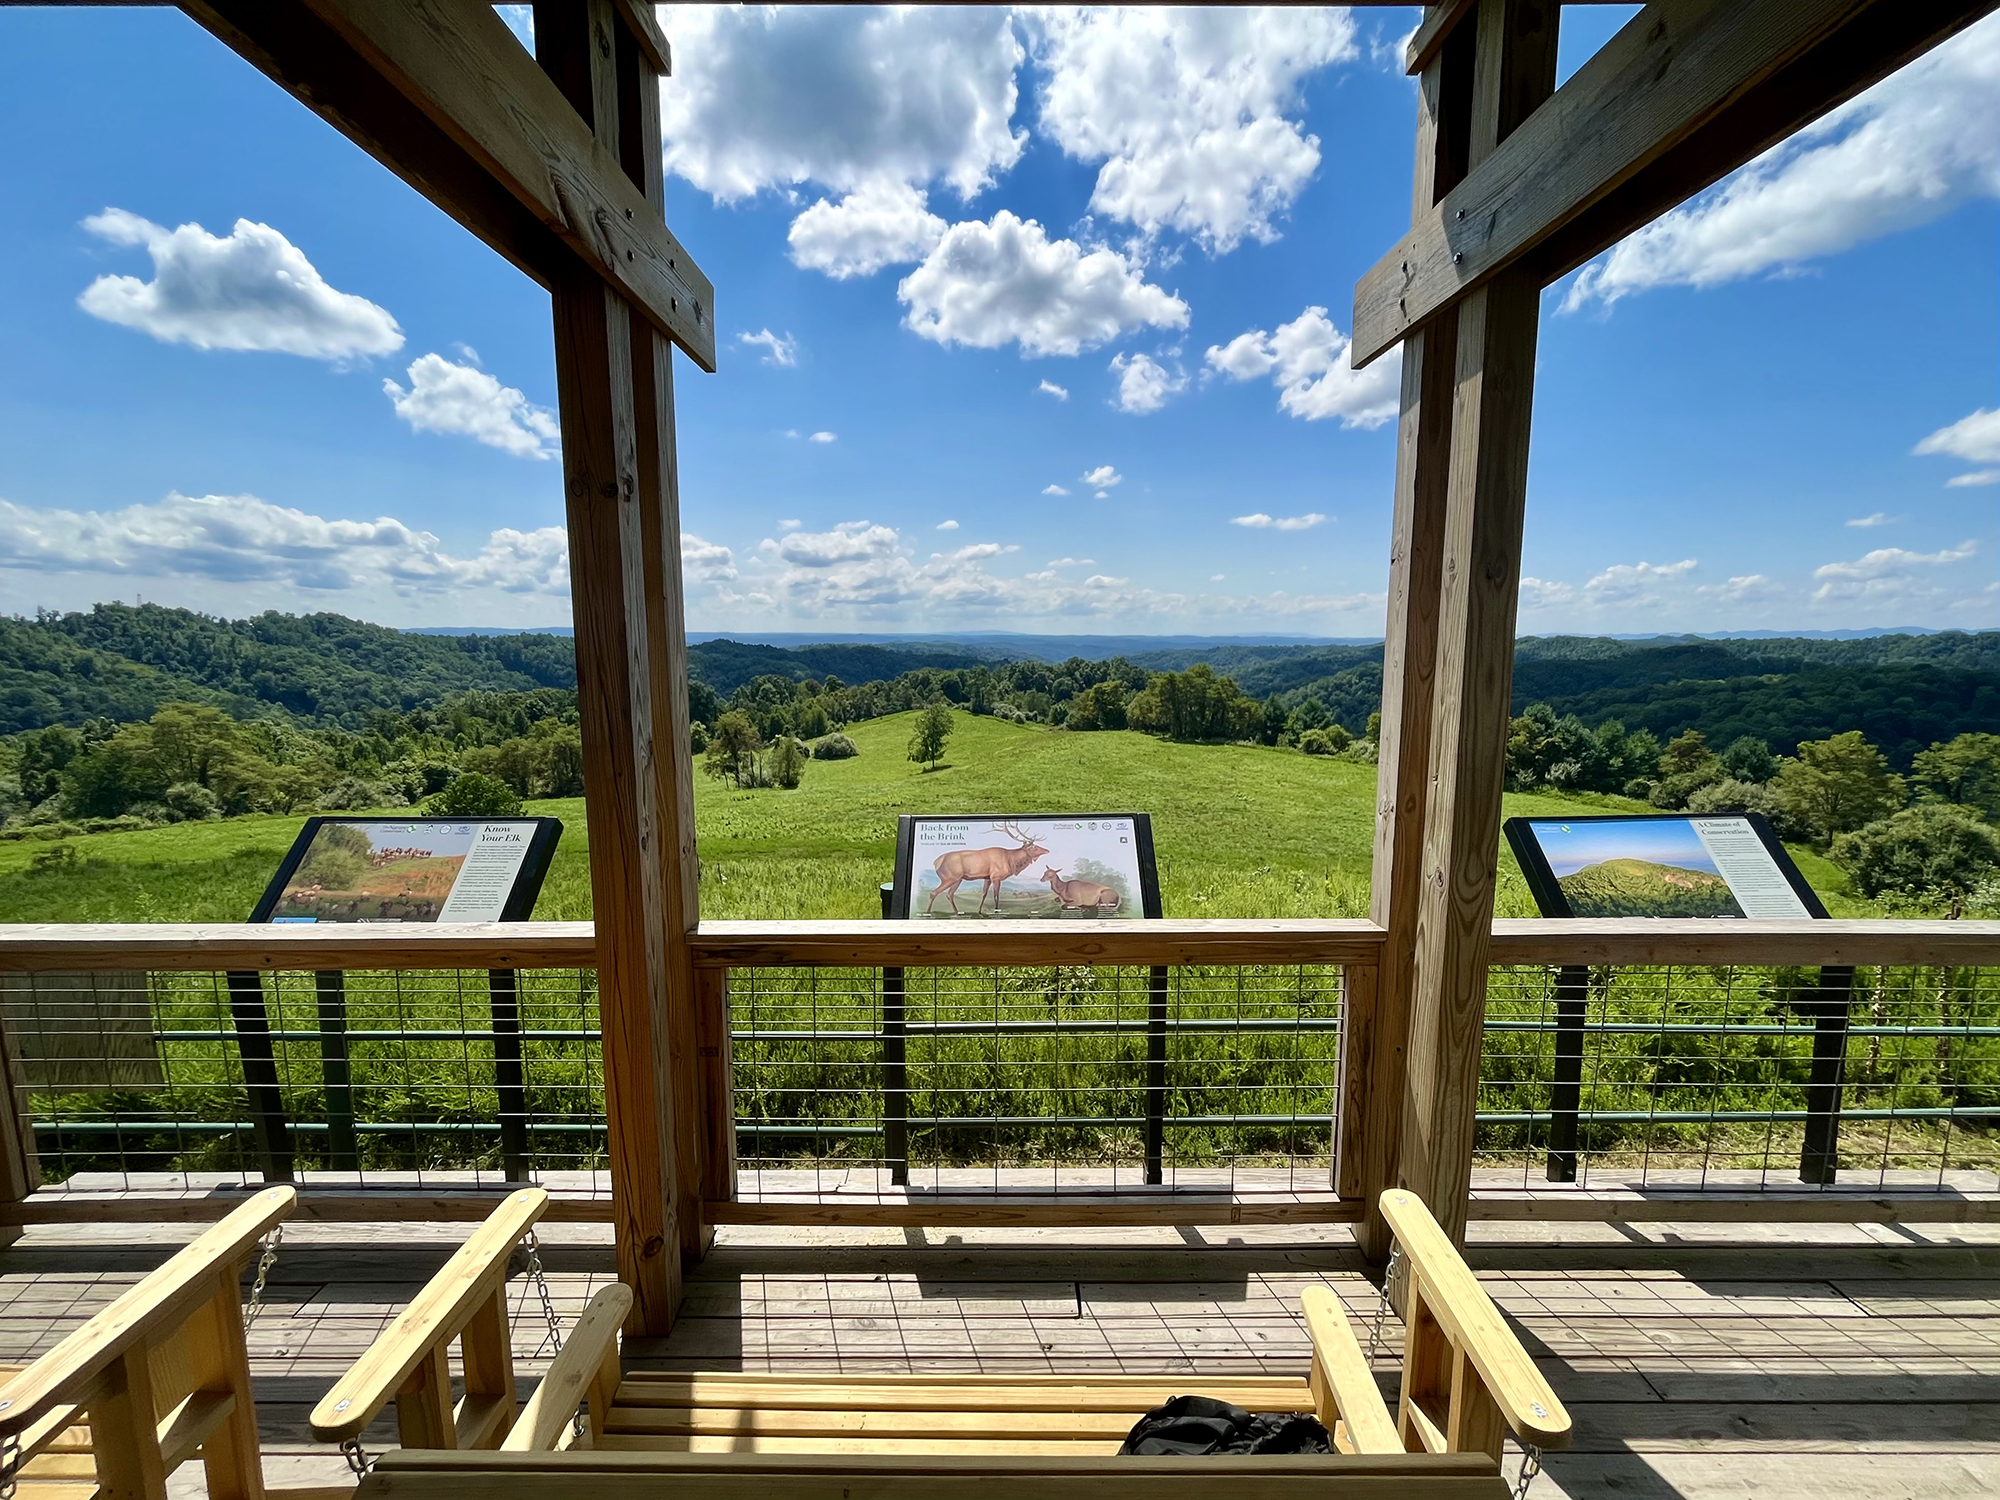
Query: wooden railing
pixel 705 1127
pixel 55 947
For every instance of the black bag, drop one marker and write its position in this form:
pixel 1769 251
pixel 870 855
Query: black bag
pixel 1191 1425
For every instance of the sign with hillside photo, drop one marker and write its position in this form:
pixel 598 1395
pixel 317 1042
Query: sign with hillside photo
pixel 1671 865
pixel 411 870
pixel 986 866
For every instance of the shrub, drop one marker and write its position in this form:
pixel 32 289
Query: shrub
pixel 475 796
pixel 788 762
pixel 191 802
pixel 835 747
pixel 1328 741
pixel 1927 850
pixel 350 792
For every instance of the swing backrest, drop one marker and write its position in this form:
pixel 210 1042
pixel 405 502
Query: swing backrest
pixel 411 1362
pixel 161 1373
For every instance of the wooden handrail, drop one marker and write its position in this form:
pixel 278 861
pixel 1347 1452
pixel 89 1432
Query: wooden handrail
pixel 586 1366
pixel 1453 1296
pixel 211 947
pixel 1343 1387
pixel 435 1317
pixel 206 1267
pixel 46 947
pixel 1227 940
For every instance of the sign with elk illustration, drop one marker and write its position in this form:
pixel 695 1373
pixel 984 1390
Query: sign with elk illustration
pixel 979 867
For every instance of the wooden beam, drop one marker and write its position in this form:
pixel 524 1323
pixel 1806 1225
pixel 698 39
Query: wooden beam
pixel 443 95
pixel 1658 940
pixel 213 947
pixel 1685 93
pixel 1375 1038
pixel 615 674
pixel 33 948
pixel 920 945
pixel 1486 490
pixel 1049 1211
pixel 695 1101
pixel 1429 38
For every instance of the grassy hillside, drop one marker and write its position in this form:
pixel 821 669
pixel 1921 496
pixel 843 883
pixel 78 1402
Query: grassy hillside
pixel 1241 831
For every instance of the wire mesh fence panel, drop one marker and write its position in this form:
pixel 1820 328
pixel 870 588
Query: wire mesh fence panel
pixel 1028 1079
pixel 1036 1079
pixel 496 1074
pixel 1734 1076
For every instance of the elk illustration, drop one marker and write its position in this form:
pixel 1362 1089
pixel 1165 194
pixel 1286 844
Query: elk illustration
pixel 1080 895
pixel 987 866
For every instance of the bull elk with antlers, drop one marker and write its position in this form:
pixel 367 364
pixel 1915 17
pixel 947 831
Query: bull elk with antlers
pixel 990 867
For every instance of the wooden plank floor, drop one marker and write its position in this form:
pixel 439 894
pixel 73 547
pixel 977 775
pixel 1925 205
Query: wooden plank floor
pixel 1856 1362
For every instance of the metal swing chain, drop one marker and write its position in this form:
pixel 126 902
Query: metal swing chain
pixel 267 1258
pixel 533 1266
pixel 1531 1465
pixel 10 1464
pixel 1382 1306
pixel 358 1459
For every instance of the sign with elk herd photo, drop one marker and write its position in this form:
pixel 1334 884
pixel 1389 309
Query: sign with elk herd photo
pixel 985 866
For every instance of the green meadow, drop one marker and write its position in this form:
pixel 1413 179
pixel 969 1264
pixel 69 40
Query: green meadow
pixel 1240 831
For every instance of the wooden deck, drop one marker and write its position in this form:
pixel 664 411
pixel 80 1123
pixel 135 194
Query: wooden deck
pixel 1699 1359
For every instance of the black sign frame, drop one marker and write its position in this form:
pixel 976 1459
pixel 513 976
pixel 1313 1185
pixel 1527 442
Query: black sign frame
pixel 904 890
pixel 521 897
pixel 1547 889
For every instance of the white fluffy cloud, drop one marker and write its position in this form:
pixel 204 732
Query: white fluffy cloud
pixel 254 290
pixel 1054 489
pixel 1629 588
pixel 1311 363
pixel 1187 110
pixel 988 284
pixel 466 402
pixel 1103 477
pixel 1909 150
pixel 241 539
pixel 883 223
pixel 1050 388
pixel 1259 521
pixel 867 572
pixel 771 96
pixel 706 562
pixel 780 349
pixel 1143 383
pixel 824 437
pixel 1888 575
pixel 1975 439
pixel 1878 518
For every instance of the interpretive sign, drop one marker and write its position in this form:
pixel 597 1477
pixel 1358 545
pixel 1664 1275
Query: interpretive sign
pixel 1662 865
pixel 411 870
pixel 990 865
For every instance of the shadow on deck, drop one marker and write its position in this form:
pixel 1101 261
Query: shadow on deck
pixel 1698 1359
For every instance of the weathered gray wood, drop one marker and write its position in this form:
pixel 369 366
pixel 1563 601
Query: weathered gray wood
pixel 442 94
pixel 1685 93
pixel 1486 494
pixel 615 675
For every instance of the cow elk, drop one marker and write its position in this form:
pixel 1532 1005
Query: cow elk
pixel 1080 895
pixel 989 867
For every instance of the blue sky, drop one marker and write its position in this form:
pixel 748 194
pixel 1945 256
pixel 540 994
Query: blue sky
pixel 1029 322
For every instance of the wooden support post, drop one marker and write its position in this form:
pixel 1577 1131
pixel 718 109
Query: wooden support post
pixel 666 634
pixel 639 911
pixel 1375 1023
pixel 1479 584
pixel 219 1362
pixel 20 1167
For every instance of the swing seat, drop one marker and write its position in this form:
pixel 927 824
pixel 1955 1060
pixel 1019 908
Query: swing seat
pixel 1466 1383
pixel 155 1379
pixel 466 1302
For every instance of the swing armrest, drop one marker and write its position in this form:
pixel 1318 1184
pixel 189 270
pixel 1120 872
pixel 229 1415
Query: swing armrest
pixel 427 1326
pixel 1452 1296
pixel 203 1271
pixel 587 1368
pixel 1345 1396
